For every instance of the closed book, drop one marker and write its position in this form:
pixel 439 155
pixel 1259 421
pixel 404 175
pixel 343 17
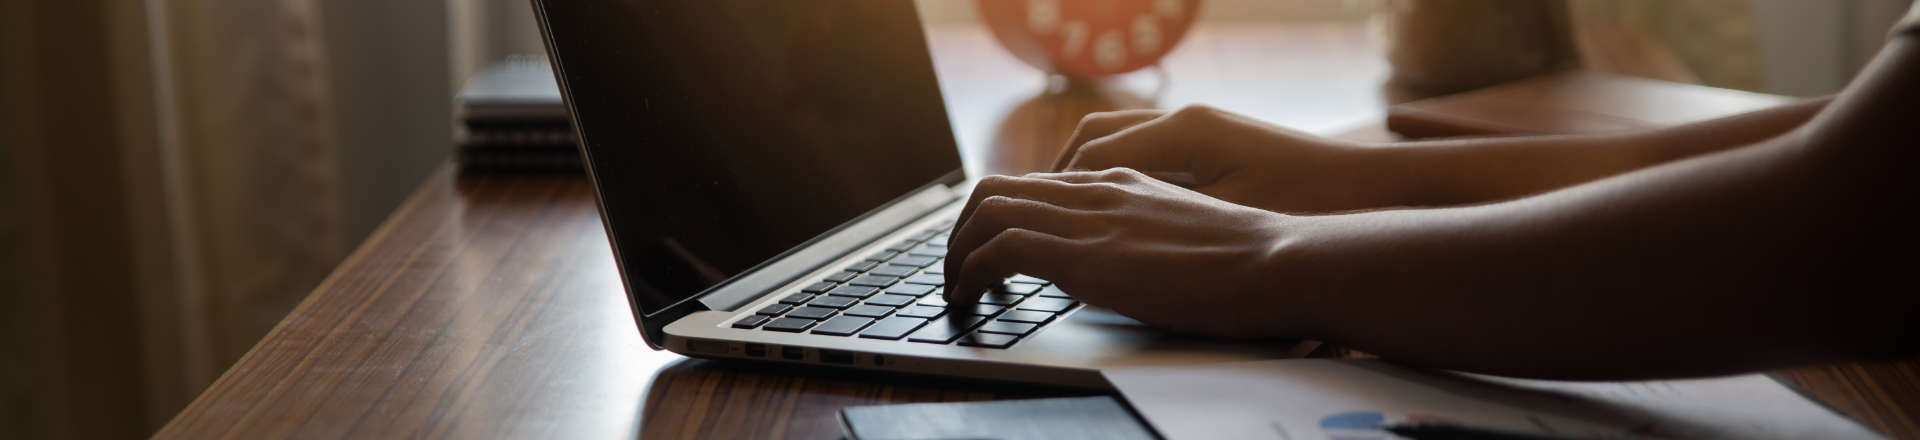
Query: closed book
pixel 513 121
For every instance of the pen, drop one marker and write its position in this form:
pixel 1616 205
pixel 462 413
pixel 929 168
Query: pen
pixel 1451 431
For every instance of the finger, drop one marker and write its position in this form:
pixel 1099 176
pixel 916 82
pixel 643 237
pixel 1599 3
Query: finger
pixel 1166 143
pixel 1099 125
pixel 1077 177
pixel 1181 178
pixel 1110 175
pixel 1011 251
pixel 997 214
pixel 1049 191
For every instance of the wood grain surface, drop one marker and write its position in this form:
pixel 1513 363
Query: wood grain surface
pixel 490 307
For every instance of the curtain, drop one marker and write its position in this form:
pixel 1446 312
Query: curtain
pixel 261 191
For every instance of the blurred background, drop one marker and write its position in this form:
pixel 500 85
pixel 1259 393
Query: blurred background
pixel 176 175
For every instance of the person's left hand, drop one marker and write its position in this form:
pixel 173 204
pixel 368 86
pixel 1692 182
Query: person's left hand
pixel 1151 250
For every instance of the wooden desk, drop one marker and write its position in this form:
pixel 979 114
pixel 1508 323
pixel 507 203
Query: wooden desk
pixel 489 307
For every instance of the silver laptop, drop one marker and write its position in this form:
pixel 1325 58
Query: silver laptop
pixel 778 180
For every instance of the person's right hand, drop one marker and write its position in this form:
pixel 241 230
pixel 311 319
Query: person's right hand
pixel 1234 158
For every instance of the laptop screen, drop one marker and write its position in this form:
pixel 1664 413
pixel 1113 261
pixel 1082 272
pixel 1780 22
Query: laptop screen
pixel 724 133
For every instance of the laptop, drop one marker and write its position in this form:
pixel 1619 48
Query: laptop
pixel 778 181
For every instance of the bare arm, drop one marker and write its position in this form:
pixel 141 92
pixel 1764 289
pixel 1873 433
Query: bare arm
pixel 1465 171
pixel 1256 164
pixel 1787 252
pixel 1791 250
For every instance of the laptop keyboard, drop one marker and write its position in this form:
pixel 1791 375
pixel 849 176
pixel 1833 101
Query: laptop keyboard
pixel 892 295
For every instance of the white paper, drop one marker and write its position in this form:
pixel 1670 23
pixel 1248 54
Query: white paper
pixel 1303 399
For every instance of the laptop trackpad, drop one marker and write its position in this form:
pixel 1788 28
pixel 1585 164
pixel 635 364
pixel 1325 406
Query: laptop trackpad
pixel 1102 316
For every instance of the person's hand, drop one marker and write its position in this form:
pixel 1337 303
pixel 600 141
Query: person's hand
pixel 1234 158
pixel 1117 238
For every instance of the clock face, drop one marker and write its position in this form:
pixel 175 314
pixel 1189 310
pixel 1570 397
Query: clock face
pixel 1089 38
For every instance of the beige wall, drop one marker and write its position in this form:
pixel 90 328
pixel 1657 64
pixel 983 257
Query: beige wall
pixel 389 64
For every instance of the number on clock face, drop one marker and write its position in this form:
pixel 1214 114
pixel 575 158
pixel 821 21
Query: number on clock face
pixel 1089 38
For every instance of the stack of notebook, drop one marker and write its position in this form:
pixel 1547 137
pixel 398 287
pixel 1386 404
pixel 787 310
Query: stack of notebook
pixel 512 121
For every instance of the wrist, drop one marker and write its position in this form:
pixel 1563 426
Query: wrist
pixel 1291 280
pixel 1380 175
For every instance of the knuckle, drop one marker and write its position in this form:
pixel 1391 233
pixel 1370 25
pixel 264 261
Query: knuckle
pixel 1017 235
pixel 1119 174
pixel 1095 119
pixel 1041 175
pixel 1006 237
pixel 1195 112
pixel 993 181
pixel 999 210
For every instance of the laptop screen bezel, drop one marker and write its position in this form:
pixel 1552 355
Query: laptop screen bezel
pixel 652 324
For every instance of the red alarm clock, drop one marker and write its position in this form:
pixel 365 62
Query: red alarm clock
pixel 1089 38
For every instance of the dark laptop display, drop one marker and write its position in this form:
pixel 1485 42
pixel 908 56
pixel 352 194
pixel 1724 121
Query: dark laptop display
pixel 724 133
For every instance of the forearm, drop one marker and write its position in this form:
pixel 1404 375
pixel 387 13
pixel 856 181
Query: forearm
pixel 1732 262
pixel 1467 171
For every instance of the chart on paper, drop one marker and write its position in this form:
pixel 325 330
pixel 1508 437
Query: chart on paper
pixel 1306 399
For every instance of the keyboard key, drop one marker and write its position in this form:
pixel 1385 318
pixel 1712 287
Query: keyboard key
pixel 854 291
pixel 810 312
pixel 1055 305
pixel 1026 316
pixel 902 246
pixel 989 340
pixel 928 312
pixel 933 300
pixel 928 278
pixel 750 321
pixel 939 267
pixel 873 281
pixel 817 287
pixel 833 302
pixel 967 321
pixel 774 309
pixel 869 311
pixel 1019 289
pixel 1023 279
pixel 938 240
pixel 842 326
pixel 1008 327
pixel 790 325
pixel 944 224
pixel 882 256
pixel 999 298
pixel 977 309
pixel 912 260
pixel 910 289
pixel 936 333
pixel 945 330
pixel 1053 292
pixel 893 328
pixel 796 299
pixel 842 276
pixel 927 251
pixel 891 300
pixel 895 271
pixel 862 266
